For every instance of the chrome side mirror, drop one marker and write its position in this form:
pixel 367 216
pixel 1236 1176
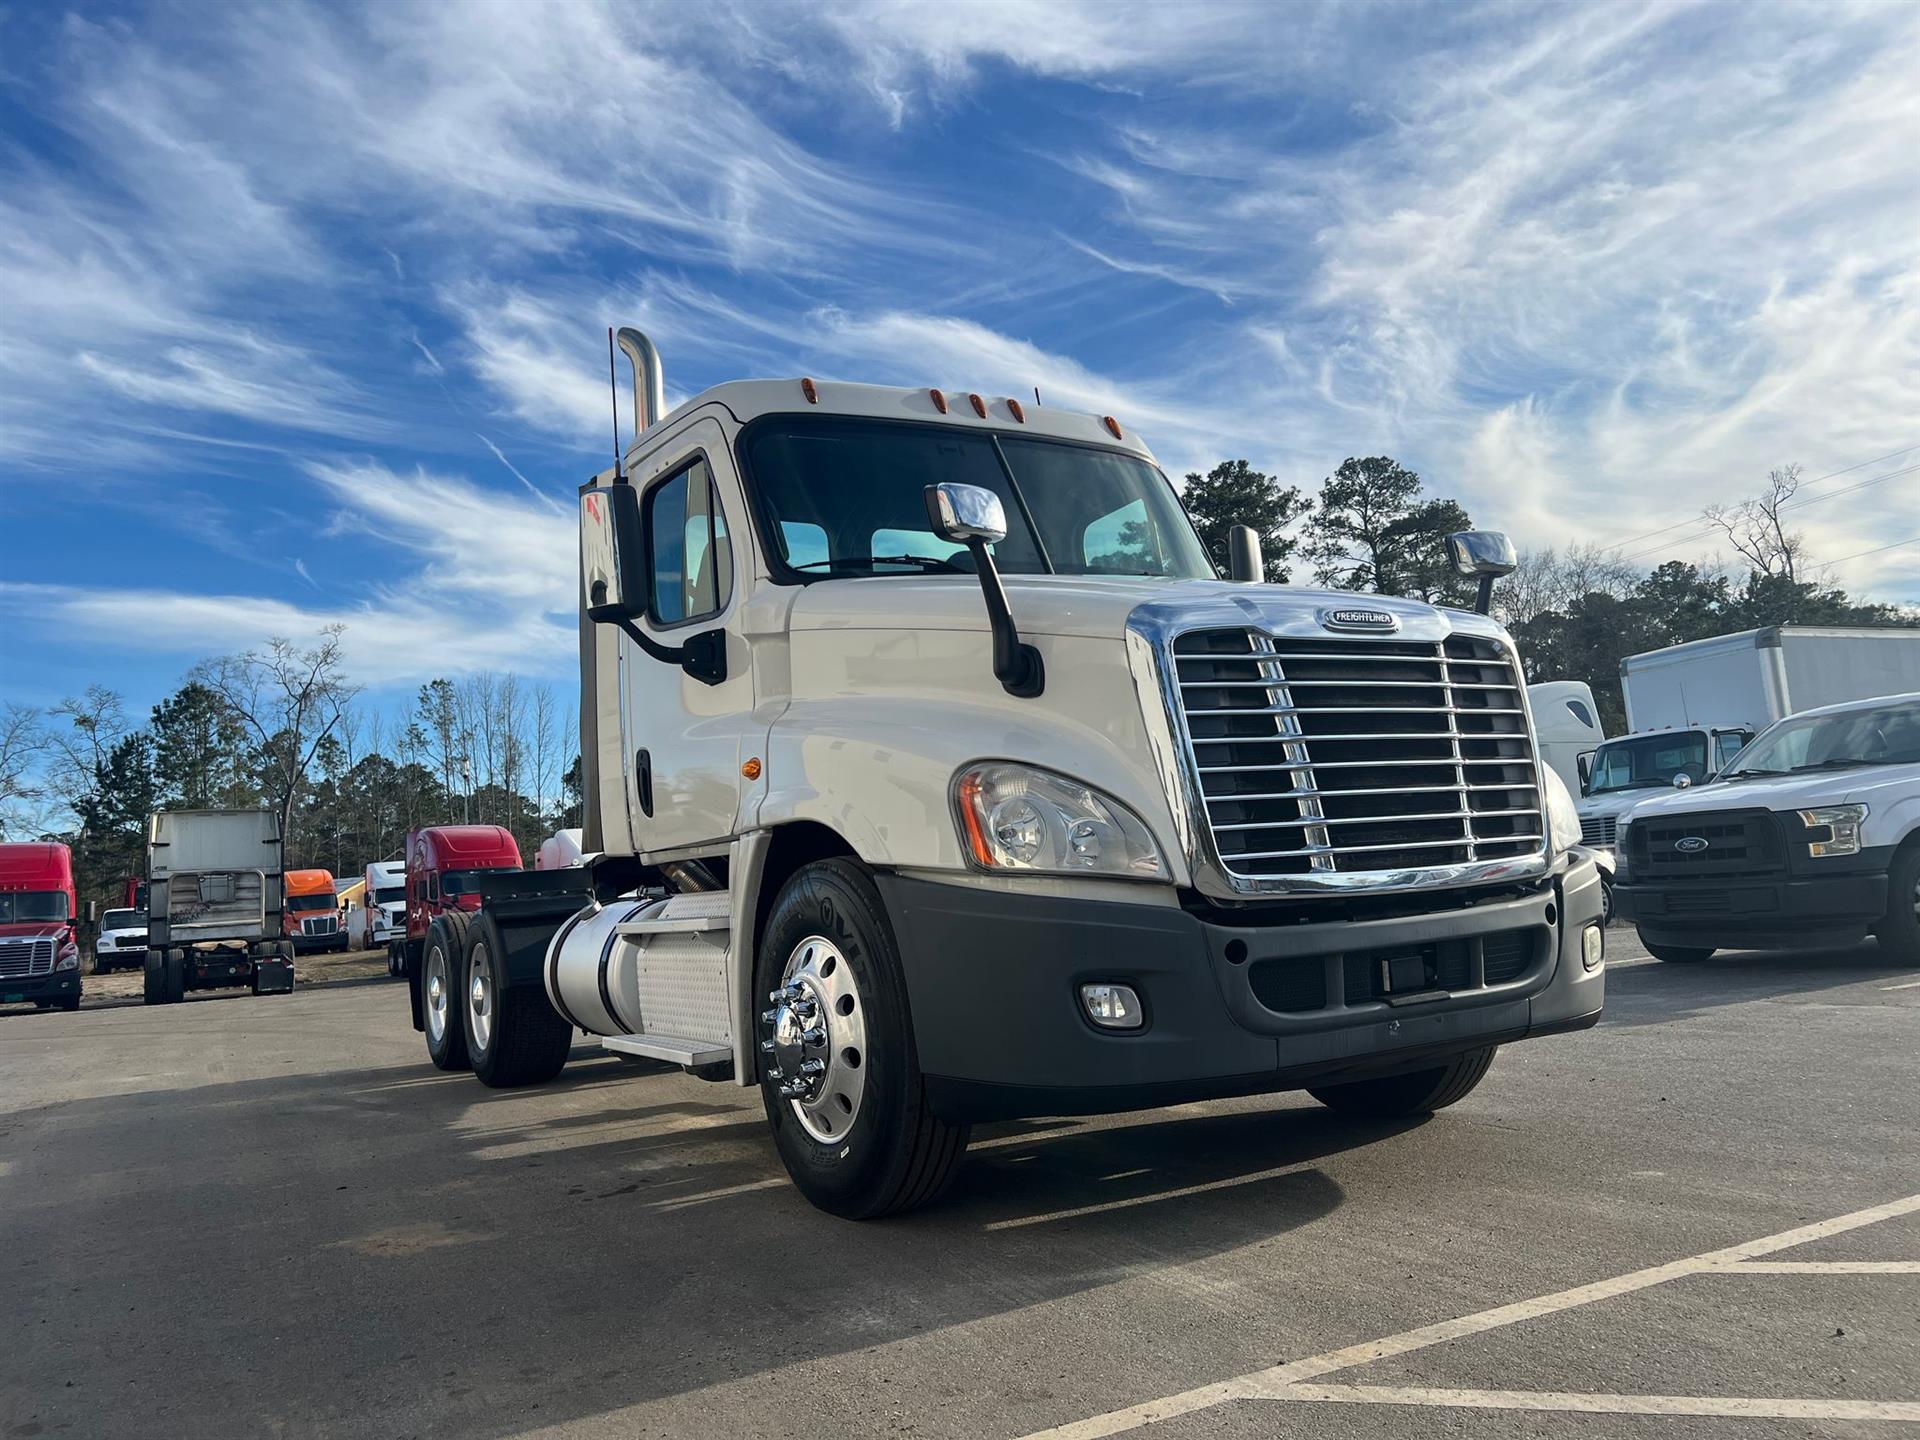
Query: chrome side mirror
pixel 1485 555
pixel 965 513
pixel 1683 781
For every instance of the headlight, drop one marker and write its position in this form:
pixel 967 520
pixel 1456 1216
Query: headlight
pixel 1014 817
pixel 1563 820
pixel 1833 829
pixel 69 956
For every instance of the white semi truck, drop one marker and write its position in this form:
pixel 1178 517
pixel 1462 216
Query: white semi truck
pixel 1692 708
pixel 381 916
pixel 933 775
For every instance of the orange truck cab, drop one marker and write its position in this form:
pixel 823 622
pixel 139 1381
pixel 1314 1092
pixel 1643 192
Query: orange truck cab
pixel 39 948
pixel 312 915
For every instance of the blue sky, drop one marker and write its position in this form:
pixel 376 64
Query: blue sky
pixel 302 307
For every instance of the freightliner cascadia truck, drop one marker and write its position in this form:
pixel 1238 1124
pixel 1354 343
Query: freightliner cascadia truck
pixel 934 775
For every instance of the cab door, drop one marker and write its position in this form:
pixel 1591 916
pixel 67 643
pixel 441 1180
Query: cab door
pixel 684 736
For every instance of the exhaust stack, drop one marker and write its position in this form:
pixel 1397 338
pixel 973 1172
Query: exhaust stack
pixel 649 380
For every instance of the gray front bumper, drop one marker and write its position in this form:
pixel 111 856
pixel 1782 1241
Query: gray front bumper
pixel 993 981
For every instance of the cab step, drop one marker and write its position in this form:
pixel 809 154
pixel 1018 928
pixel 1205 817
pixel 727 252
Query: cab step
pixel 669 1047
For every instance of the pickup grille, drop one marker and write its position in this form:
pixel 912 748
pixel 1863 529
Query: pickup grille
pixel 21 958
pixel 1740 844
pixel 1323 756
pixel 1604 830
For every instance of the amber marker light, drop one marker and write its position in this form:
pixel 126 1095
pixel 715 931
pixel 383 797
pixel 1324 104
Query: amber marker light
pixel 751 769
pixel 969 794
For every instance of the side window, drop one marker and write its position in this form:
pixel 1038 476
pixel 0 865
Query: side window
pixel 433 885
pixel 1727 746
pixel 689 563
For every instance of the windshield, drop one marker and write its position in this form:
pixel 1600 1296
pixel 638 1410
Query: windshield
pixel 17 906
pixel 1885 735
pixel 311 902
pixel 1649 760
pixel 390 895
pixel 122 920
pixel 847 497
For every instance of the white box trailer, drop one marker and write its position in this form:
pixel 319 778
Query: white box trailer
pixel 1750 679
pixel 215 897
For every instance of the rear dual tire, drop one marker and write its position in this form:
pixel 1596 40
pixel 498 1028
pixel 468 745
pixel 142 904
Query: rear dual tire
pixel 442 963
pixel 166 977
pixel 514 1035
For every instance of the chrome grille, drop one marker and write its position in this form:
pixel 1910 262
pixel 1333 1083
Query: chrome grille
pixel 1600 830
pixel 21 958
pixel 320 925
pixel 1318 756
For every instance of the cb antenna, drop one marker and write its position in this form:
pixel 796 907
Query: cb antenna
pixel 613 398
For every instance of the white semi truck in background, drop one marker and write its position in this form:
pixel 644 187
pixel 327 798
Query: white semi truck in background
pixel 932 775
pixel 380 917
pixel 1691 708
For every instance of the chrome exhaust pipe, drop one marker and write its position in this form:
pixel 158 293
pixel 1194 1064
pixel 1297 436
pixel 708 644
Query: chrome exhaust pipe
pixel 649 379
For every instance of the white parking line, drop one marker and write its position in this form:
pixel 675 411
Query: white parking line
pixel 1822 1267
pixel 1281 1382
pixel 1903 985
pixel 1606 1404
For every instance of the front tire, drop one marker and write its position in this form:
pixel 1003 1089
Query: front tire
pixel 857 1134
pixel 69 1003
pixel 150 990
pixel 173 977
pixel 514 1035
pixel 440 970
pixel 1899 932
pixel 1398 1097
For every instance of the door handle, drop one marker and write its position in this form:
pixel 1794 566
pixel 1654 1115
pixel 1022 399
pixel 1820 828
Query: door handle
pixel 643 780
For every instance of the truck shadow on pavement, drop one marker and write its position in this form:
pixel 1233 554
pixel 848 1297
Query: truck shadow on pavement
pixel 1657 993
pixel 605 1241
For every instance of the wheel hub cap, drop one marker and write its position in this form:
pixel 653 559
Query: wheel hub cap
pixel 436 996
pixel 815 1038
pixel 480 999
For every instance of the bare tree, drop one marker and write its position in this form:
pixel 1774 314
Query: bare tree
pixel 291 701
pixel 1756 531
pixel 1551 579
pixel 23 740
pixel 83 734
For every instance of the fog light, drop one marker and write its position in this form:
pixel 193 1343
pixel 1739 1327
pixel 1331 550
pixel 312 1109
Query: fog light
pixel 1593 947
pixel 1113 1007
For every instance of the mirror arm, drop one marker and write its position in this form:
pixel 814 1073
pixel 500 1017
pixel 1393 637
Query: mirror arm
pixel 1016 665
pixel 1483 599
pixel 704 656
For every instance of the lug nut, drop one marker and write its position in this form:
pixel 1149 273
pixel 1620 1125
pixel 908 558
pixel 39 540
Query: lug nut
pixel 806 1007
pixel 813 1035
pixel 813 1067
pixel 769 1017
pixel 766 1047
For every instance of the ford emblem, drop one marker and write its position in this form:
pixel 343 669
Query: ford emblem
pixel 1691 844
pixel 1356 618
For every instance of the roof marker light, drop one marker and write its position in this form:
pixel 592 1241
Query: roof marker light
pixel 1018 413
pixel 979 406
pixel 1112 425
pixel 812 392
pixel 939 401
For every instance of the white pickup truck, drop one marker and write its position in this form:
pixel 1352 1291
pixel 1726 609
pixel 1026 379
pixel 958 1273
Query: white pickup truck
pixel 1812 837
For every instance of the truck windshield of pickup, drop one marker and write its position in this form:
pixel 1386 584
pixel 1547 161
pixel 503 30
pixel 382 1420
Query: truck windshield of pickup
pixel 1883 735
pixel 841 497
pixel 26 906
pixel 1648 760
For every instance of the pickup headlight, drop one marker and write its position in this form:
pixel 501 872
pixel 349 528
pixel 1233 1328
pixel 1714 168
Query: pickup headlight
pixel 1833 829
pixel 1017 818
pixel 1563 820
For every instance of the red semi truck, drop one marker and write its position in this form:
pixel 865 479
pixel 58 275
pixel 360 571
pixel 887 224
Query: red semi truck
pixel 39 946
pixel 442 863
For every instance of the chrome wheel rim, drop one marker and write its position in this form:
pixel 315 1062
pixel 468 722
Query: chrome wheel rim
pixel 815 1037
pixel 1916 899
pixel 437 989
pixel 479 998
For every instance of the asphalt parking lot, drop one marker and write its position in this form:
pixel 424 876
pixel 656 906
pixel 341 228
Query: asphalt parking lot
pixel 244 1216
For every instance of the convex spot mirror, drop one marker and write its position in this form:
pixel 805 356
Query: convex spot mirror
pixel 1482 552
pixel 964 513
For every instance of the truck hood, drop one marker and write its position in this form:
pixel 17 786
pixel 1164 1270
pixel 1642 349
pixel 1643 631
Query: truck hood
pixel 1619 802
pixel 1094 606
pixel 34 930
pixel 1790 792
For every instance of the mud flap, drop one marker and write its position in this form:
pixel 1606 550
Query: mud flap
pixel 273 976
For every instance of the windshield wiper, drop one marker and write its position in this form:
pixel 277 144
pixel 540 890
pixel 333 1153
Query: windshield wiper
pixel 932 564
pixel 1838 763
pixel 1747 772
